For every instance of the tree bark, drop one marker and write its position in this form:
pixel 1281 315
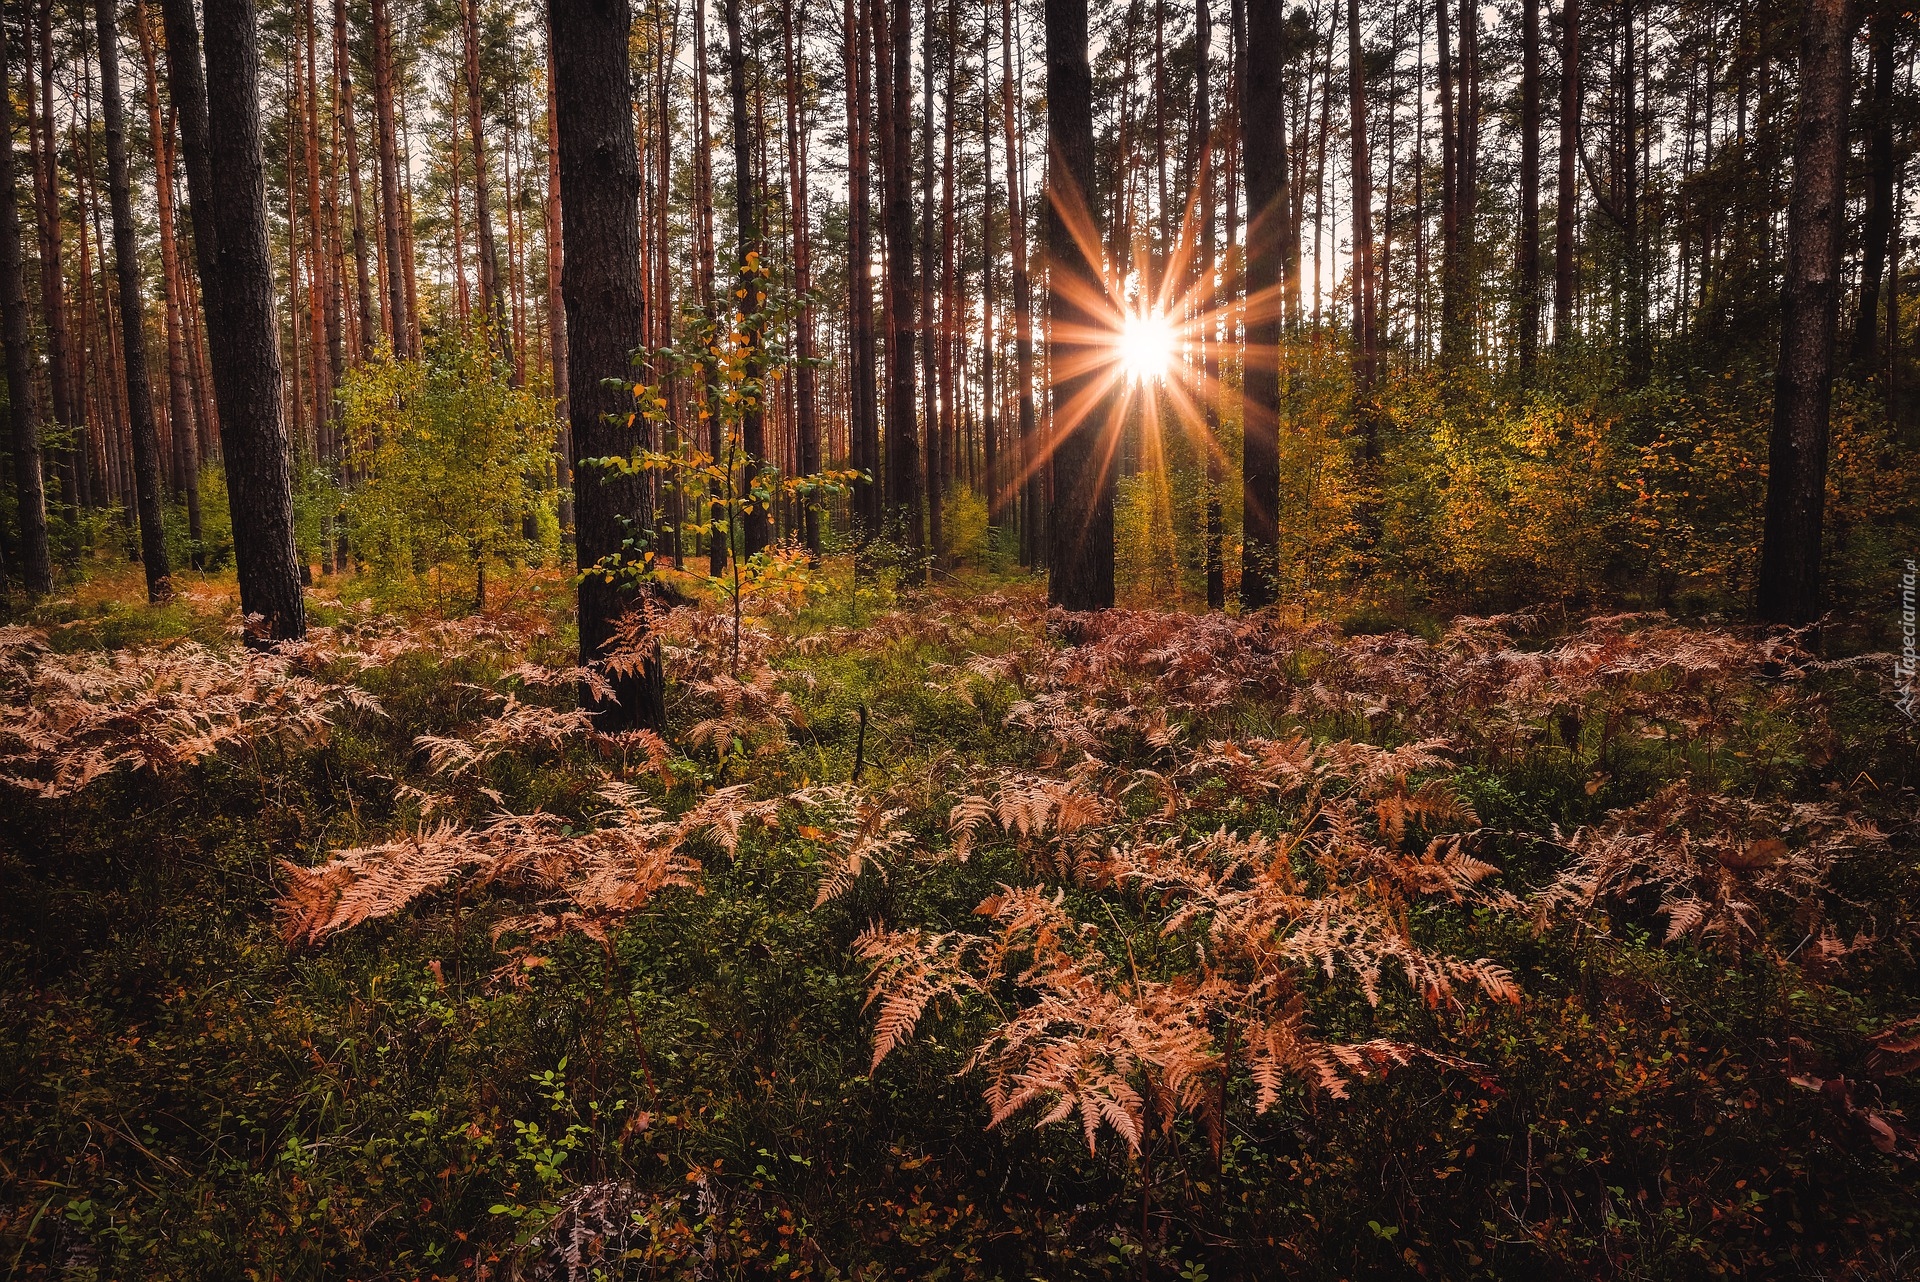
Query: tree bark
pixel 1263 144
pixel 557 309
pixel 492 296
pixel 757 528
pixel 227 188
pixel 1032 533
pixel 863 416
pixel 1528 268
pixel 1365 342
pixel 363 282
pixel 1083 437
pixel 1206 303
pixel 186 453
pixel 1878 231
pixel 600 175
pixel 126 263
pixel 807 425
pixel 399 320
pixel 903 494
pixel 62 374
pixel 1789 583
pixel 23 408
pixel 1566 201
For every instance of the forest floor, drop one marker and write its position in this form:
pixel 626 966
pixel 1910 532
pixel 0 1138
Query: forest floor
pixel 1193 946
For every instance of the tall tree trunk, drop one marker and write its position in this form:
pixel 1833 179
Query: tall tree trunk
pixel 989 251
pixel 186 454
pixel 757 528
pixel 1789 584
pixel 323 318
pixel 600 175
pixel 1207 304
pixel 492 296
pixel 952 318
pixel 343 89
pixel 1528 304
pixel 220 131
pixel 399 265
pixel 903 453
pixel 1028 466
pixel 556 307
pixel 126 262
pixel 807 424
pixel 23 408
pixel 1878 231
pixel 1365 342
pixel 863 425
pixel 62 373
pixel 1566 199
pixel 929 335
pixel 1263 144
pixel 1083 437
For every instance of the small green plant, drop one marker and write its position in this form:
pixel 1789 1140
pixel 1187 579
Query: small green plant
pixel 446 449
pixel 733 365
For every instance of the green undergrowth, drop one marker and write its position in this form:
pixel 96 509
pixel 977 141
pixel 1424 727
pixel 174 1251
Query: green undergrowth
pixel 184 1095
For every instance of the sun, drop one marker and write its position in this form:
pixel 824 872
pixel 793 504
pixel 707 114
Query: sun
pixel 1145 346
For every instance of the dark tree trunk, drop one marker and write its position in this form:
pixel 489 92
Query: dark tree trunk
pixel 1365 339
pixel 492 295
pixel 62 376
pixel 126 263
pixel 1027 464
pixel 863 422
pixel 757 527
pixel 227 189
pixel 1789 584
pixel 806 421
pixel 1878 232
pixel 1528 304
pixel 1206 303
pixel 1080 564
pixel 600 175
pixel 23 409
pixel 903 451
pixel 186 453
pixel 399 321
pixel 1566 199
pixel 343 88
pixel 1263 143
pixel 929 338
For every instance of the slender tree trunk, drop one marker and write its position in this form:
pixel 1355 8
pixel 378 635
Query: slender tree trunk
pixel 186 454
pixel 220 130
pixel 1028 462
pixel 929 333
pixel 556 309
pixel 62 376
pixel 492 295
pixel 600 175
pixel 952 319
pixel 1083 437
pixel 1789 584
pixel 23 408
pixel 1263 143
pixel 146 437
pixel 1207 303
pixel 805 391
pixel 863 388
pixel 363 282
pixel 1365 342
pixel 903 454
pixel 399 267
pixel 1878 231
pixel 757 528
pixel 323 318
pixel 989 250
pixel 1528 304
pixel 1566 201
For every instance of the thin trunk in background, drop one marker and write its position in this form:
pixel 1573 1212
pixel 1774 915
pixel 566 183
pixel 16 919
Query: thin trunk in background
pixel 399 266
pixel 1527 306
pixel 806 423
pixel 146 436
pixel 1877 232
pixel 1027 463
pixel 757 528
pixel 1567 195
pixel 1365 338
pixel 186 453
pixel 343 91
